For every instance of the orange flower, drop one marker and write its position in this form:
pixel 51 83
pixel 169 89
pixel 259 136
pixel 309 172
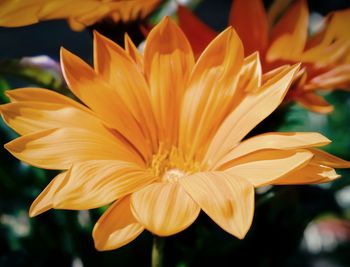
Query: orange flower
pixel 325 56
pixel 79 13
pixel 160 135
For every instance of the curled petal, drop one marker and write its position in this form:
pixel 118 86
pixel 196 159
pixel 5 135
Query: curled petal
pixel 116 227
pixel 264 167
pixel 251 74
pixel 312 173
pixel 283 140
pixel 324 158
pixel 44 201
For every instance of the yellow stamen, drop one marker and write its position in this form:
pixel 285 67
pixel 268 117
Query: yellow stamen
pixel 170 164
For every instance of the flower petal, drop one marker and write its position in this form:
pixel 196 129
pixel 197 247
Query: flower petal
pixel 336 26
pixel 337 77
pixel 95 183
pixel 227 199
pixel 210 91
pixel 290 34
pixel 264 167
pixel 168 61
pixel 29 117
pixel 102 98
pixel 18 15
pixel 250 75
pixel 31 94
pixel 312 173
pixel 116 227
pixel 198 33
pixel 129 84
pixel 283 140
pixel 79 13
pixel 164 208
pixel 133 52
pixel 324 158
pixel 313 102
pixel 29 12
pixel 250 21
pixel 44 201
pixel 60 148
pixel 325 56
pixel 251 110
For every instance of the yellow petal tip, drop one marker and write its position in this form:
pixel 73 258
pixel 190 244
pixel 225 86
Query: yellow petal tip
pixel 97 35
pixel 34 211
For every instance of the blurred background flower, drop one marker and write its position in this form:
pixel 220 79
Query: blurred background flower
pixel 286 40
pixel 79 14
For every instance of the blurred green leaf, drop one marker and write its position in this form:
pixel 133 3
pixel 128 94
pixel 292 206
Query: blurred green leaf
pixel 3 87
pixel 41 76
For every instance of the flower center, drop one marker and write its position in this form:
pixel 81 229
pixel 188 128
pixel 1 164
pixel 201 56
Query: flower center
pixel 170 164
pixel 173 175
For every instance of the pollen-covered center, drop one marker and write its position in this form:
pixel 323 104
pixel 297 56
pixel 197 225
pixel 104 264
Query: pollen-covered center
pixel 170 164
pixel 173 175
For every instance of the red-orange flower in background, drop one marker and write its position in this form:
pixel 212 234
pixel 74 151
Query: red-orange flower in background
pixel 160 135
pixel 325 56
pixel 79 13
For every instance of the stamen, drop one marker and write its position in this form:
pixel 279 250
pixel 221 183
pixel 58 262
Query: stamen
pixel 169 164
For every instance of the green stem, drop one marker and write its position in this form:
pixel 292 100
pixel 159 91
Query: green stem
pixel 157 251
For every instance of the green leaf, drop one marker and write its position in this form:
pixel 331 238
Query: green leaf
pixel 41 75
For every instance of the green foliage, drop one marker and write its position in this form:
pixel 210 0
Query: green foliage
pixel 31 73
